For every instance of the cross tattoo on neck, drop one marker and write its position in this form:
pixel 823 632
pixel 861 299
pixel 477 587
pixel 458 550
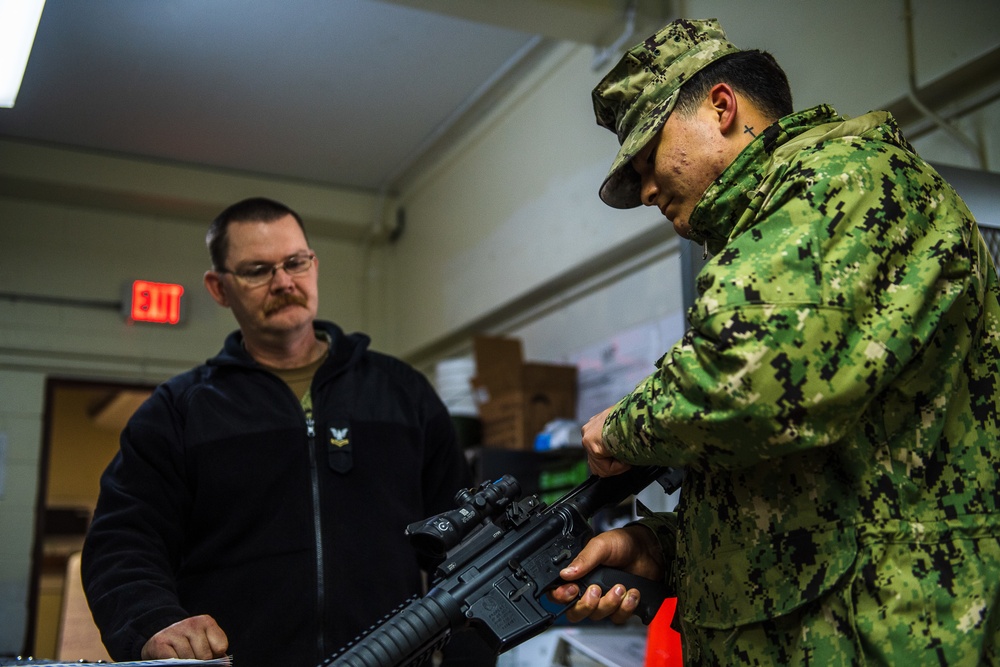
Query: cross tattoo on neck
pixel 748 130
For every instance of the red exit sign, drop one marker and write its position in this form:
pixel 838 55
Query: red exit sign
pixel 156 302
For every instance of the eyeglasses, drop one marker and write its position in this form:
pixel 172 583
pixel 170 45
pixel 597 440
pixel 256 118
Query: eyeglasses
pixel 256 275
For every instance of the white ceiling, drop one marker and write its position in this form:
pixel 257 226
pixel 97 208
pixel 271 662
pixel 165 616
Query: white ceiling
pixel 360 94
pixel 346 93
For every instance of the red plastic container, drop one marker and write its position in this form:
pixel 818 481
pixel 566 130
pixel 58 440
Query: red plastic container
pixel 663 643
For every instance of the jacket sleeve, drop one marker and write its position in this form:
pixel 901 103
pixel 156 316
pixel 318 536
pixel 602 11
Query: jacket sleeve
pixel 131 551
pixel 802 320
pixel 664 528
pixel 445 467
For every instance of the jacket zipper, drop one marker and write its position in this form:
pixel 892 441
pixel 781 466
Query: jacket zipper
pixel 314 473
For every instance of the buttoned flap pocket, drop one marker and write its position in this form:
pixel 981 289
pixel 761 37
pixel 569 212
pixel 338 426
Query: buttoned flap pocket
pixel 738 587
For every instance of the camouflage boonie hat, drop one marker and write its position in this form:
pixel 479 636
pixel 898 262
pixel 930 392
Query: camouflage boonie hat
pixel 635 97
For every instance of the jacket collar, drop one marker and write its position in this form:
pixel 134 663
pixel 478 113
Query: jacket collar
pixel 728 198
pixel 345 349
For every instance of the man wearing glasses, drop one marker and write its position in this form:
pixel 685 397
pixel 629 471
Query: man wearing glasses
pixel 258 502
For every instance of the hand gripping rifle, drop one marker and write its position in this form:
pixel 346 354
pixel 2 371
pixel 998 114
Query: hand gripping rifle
pixel 501 555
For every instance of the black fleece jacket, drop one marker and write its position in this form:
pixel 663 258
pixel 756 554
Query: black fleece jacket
pixel 225 500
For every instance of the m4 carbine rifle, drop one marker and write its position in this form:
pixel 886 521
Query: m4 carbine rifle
pixel 501 556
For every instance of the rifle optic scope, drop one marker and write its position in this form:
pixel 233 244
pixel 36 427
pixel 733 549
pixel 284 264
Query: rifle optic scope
pixel 435 536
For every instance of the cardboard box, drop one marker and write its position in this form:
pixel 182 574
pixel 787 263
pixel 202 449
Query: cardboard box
pixel 517 399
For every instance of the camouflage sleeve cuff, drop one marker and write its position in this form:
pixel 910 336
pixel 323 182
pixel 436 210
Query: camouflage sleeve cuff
pixel 664 528
pixel 611 433
pixel 622 429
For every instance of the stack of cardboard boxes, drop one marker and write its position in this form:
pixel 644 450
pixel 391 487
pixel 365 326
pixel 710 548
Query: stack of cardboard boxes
pixel 517 399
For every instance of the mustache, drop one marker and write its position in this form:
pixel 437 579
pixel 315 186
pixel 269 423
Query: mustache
pixel 282 300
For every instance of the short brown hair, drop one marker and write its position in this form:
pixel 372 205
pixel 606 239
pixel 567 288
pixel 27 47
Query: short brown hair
pixel 254 209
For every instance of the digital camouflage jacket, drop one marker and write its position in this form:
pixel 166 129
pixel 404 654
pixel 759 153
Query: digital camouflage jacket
pixel 835 404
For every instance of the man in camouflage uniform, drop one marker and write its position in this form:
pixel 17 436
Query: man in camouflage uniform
pixel 835 399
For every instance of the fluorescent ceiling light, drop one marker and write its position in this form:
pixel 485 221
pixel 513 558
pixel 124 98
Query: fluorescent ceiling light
pixel 18 23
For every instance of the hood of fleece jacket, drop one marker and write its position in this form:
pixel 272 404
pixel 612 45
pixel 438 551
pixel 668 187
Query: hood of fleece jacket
pixel 775 151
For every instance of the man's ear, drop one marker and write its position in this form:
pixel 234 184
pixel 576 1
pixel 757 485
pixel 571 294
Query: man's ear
pixel 724 104
pixel 215 287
